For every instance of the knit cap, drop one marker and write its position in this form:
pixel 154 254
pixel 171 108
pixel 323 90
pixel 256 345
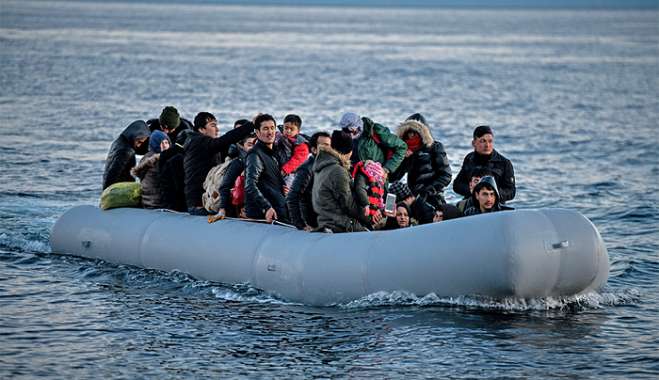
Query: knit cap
pixel 155 139
pixel 351 121
pixel 401 190
pixel 341 142
pixel 170 118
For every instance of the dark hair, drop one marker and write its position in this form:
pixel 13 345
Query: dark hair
pixel 244 139
pixel 480 172
pixel 261 118
pixel 313 141
pixel 293 119
pixel 240 123
pixel 201 119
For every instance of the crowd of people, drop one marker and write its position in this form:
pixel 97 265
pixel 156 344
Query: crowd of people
pixel 327 182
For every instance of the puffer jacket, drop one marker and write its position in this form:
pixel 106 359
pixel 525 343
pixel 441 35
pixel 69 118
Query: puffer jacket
pixel 148 171
pixel 121 157
pixel 367 148
pixel 500 167
pixel 198 160
pixel 298 200
pixel 331 195
pixel 264 185
pixel 428 169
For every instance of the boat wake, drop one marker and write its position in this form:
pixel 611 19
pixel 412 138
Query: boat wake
pixel 593 300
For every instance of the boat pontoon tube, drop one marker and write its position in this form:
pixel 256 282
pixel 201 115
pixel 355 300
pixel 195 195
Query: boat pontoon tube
pixel 522 253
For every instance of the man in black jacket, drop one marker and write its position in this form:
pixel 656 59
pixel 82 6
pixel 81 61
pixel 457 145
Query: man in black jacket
pixel 485 156
pixel 201 148
pixel 264 185
pixel 298 200
pixel 121 157
pixel 169 122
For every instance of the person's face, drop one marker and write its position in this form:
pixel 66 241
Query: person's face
pixel 486 198
pixel 164 145
pixel 249 144
pixel 266 132
pixel 324 142
pixel 474 181
pixel 139 142
pixel 210 129
pixel 484 145
pixel 409 135
pixel 291 129
pixel 402 218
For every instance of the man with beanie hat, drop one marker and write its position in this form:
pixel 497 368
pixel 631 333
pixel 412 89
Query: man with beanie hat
pixel 373 141
pixel 485 156
pixel 169 122
pixel 332 196
pixel 485 198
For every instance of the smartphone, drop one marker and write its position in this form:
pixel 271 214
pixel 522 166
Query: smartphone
pixel 390 204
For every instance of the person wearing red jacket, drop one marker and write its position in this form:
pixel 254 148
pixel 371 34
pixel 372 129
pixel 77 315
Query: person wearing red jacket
pixel 292 149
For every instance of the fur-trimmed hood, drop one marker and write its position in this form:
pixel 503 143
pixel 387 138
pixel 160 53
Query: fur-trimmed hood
pixel 326 155
pixel 147 162
pixel 417 127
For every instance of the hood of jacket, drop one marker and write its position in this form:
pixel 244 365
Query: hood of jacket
pixel 487 181
pixel 328 156
pixel 421 129
pixel 136 130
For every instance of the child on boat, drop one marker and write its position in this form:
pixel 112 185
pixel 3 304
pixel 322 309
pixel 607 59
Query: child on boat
pixel 292 149
pixel 369 179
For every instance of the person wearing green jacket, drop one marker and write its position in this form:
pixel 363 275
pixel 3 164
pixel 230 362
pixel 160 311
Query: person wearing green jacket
pixel 373 141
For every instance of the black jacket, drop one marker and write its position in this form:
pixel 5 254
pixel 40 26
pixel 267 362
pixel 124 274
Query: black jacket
pixel 235 169
pixel 500 167
pixel 198 159
pixel 264 185
pixel 298 200
pixel 172 179
pixel 428 170
pixel 121 157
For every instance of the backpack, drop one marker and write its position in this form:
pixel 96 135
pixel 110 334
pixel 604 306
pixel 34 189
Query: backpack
pixel 211 195
pixel 238 191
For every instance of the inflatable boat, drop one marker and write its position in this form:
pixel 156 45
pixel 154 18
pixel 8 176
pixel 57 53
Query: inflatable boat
pixel 522 253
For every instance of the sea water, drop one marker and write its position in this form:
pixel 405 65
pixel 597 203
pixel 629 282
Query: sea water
pixel 572 96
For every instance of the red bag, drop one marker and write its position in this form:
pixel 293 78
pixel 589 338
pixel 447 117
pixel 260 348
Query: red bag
pixel 238 191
